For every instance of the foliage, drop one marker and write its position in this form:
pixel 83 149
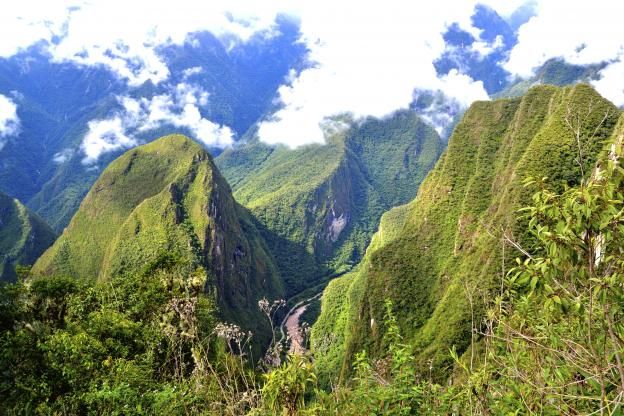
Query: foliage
pixel 139 344
pixel 79 348
pixel 557 343
pixel 285 387
pixel 389 385
pixel 311 313
pixel 552 337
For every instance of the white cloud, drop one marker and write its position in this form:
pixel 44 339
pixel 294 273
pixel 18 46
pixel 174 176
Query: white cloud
pixel 611 83
pixel 579 32
pixel 189 72
pixel 9 121
pixel 63 156
pixel 25 22
pixel 369 57
pixel 461 88
pixel 505 7
pixel 123 35
pixel 105 136
pixel 179 108
pixel 485 48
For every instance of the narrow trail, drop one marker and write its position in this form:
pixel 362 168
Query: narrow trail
pixel 290 324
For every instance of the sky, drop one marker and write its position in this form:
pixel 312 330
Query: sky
pixel 368 56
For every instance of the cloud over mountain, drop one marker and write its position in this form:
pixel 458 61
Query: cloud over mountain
pixel 581 33
pixel 180 107
pixel 124 35
pixel 365 58
pixel 368 59
pixel 9 121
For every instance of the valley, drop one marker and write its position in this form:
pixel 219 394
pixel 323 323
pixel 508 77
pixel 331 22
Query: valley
pixel 278 208
pixel 191 257
pixel 318 206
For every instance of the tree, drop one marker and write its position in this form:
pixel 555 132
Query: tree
pixel 557 341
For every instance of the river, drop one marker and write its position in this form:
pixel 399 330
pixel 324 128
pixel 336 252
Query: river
pixel 293 330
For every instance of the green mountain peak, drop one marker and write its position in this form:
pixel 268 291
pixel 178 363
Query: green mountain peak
pixel 167 198
pixel 23 236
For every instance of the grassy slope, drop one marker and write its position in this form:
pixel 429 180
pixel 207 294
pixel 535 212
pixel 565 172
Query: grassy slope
pixel 297 195
pixel 330 334
pixel 23 236
pixel 167 197
pixel 449 248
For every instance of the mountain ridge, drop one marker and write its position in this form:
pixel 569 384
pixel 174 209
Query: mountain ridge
pixel 450 240
pixel 321 203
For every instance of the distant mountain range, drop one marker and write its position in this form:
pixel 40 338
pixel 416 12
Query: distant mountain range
pixel 319 204
pixel 43 166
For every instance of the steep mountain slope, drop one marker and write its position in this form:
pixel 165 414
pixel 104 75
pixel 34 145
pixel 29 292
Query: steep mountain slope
pixel 23 236
pixel 319 205
pixel 167 198
pixel 439 258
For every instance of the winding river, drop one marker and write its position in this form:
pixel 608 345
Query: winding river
pixel 292 327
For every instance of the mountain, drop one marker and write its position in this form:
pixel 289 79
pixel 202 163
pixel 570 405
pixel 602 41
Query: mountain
pixel 54 103
pixel 43 165
pixel 23 236
pixel 554 72
pixel 439 257
pixel 163 199
pixel 318 205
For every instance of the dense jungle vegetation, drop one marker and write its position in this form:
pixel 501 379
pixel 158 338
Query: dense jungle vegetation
pixel 496 294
